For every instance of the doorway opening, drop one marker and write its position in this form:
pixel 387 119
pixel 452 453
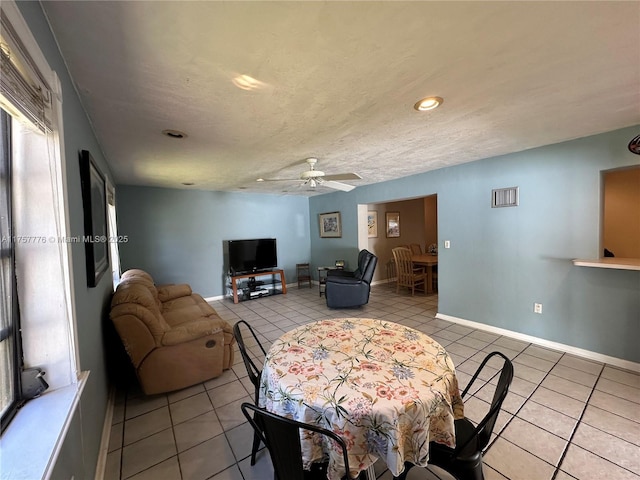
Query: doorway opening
pixel 386 225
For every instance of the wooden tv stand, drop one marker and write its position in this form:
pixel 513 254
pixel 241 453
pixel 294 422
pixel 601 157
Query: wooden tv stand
pixel 276 285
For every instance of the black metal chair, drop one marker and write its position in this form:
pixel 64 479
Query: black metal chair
pixel 253 371
pixel 282 437
pixel 465 461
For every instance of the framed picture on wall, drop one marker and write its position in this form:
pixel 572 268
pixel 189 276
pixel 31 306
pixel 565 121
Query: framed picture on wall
pixel 94 203
pixel 393 224
pixel 372 223
pixel 330 225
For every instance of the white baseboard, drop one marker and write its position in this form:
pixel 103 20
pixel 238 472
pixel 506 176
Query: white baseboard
pixel 101 464
pixel 213 299
pixel 599 357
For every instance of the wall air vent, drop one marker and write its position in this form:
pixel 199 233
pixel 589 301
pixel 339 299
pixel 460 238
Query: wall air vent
pixel 504 197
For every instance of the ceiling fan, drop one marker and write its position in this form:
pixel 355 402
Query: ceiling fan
pixel 314 178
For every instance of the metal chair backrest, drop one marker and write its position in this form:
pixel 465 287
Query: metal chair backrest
pixel 282 436
pixel 252 369
pixel 464 462
pixel 484 429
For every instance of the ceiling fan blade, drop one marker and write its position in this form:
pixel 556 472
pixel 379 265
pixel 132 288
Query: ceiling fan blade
pixel 278 180
pixel 337 185
pixel 343 176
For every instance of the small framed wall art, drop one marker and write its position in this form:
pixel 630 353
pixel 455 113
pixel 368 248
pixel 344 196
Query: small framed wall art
pixel 94 202
pixel 393 224
pixel 372 223
pixel 330 225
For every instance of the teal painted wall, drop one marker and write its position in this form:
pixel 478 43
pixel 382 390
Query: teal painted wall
pixel 325 251
pixel 503 260
pixel 79 453
pixel 177 235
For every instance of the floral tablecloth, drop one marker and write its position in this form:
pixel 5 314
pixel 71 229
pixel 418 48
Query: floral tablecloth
pixel 387 389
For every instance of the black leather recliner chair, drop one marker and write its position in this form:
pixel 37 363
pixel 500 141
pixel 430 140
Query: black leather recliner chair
pixel 351 289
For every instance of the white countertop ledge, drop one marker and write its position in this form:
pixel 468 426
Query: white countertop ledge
pixel 30 445
pixel 609 262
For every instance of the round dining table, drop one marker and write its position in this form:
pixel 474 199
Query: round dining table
pixel 386 389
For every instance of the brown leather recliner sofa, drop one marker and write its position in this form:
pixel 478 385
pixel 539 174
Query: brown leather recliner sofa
pixel 173 337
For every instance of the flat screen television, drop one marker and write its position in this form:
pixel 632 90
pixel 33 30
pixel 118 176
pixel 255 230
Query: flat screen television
pixel 251 256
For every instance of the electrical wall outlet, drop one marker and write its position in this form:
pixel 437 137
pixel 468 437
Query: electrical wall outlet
pixel 447 244
pixel 537 308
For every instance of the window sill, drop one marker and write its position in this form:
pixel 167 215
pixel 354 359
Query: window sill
pixel 610 262
pixel 32 441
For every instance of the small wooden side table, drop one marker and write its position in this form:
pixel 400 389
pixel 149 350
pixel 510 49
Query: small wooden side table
pixel 322 278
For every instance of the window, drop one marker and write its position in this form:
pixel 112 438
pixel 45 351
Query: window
pixel 31 93
pixel 9 318
pixel 34 223
pixel 114 239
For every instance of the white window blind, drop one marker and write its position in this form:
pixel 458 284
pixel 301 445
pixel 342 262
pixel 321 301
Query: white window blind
pixel 24 92
pixel 39 201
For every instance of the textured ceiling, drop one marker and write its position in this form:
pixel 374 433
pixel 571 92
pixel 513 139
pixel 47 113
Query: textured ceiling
pixel 338 81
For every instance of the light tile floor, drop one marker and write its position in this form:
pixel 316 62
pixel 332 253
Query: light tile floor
pixel 565 417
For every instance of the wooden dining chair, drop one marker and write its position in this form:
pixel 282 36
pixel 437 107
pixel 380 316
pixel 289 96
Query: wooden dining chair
pixel 281 435
pixel 416 249
pixel 252 370
pixel 406 274
pixel 464 461
pixel 303 273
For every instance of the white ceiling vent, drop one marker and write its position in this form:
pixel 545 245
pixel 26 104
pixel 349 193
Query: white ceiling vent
pixel 504 197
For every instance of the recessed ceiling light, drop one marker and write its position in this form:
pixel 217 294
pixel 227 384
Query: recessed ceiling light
pixel 246 82
pixel 259 179
pixel 174 134
pixel 428 103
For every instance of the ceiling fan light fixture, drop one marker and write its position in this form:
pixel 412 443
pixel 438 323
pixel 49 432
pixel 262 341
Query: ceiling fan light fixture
pixel 312 178
pixel 428 103
pixel 311 174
